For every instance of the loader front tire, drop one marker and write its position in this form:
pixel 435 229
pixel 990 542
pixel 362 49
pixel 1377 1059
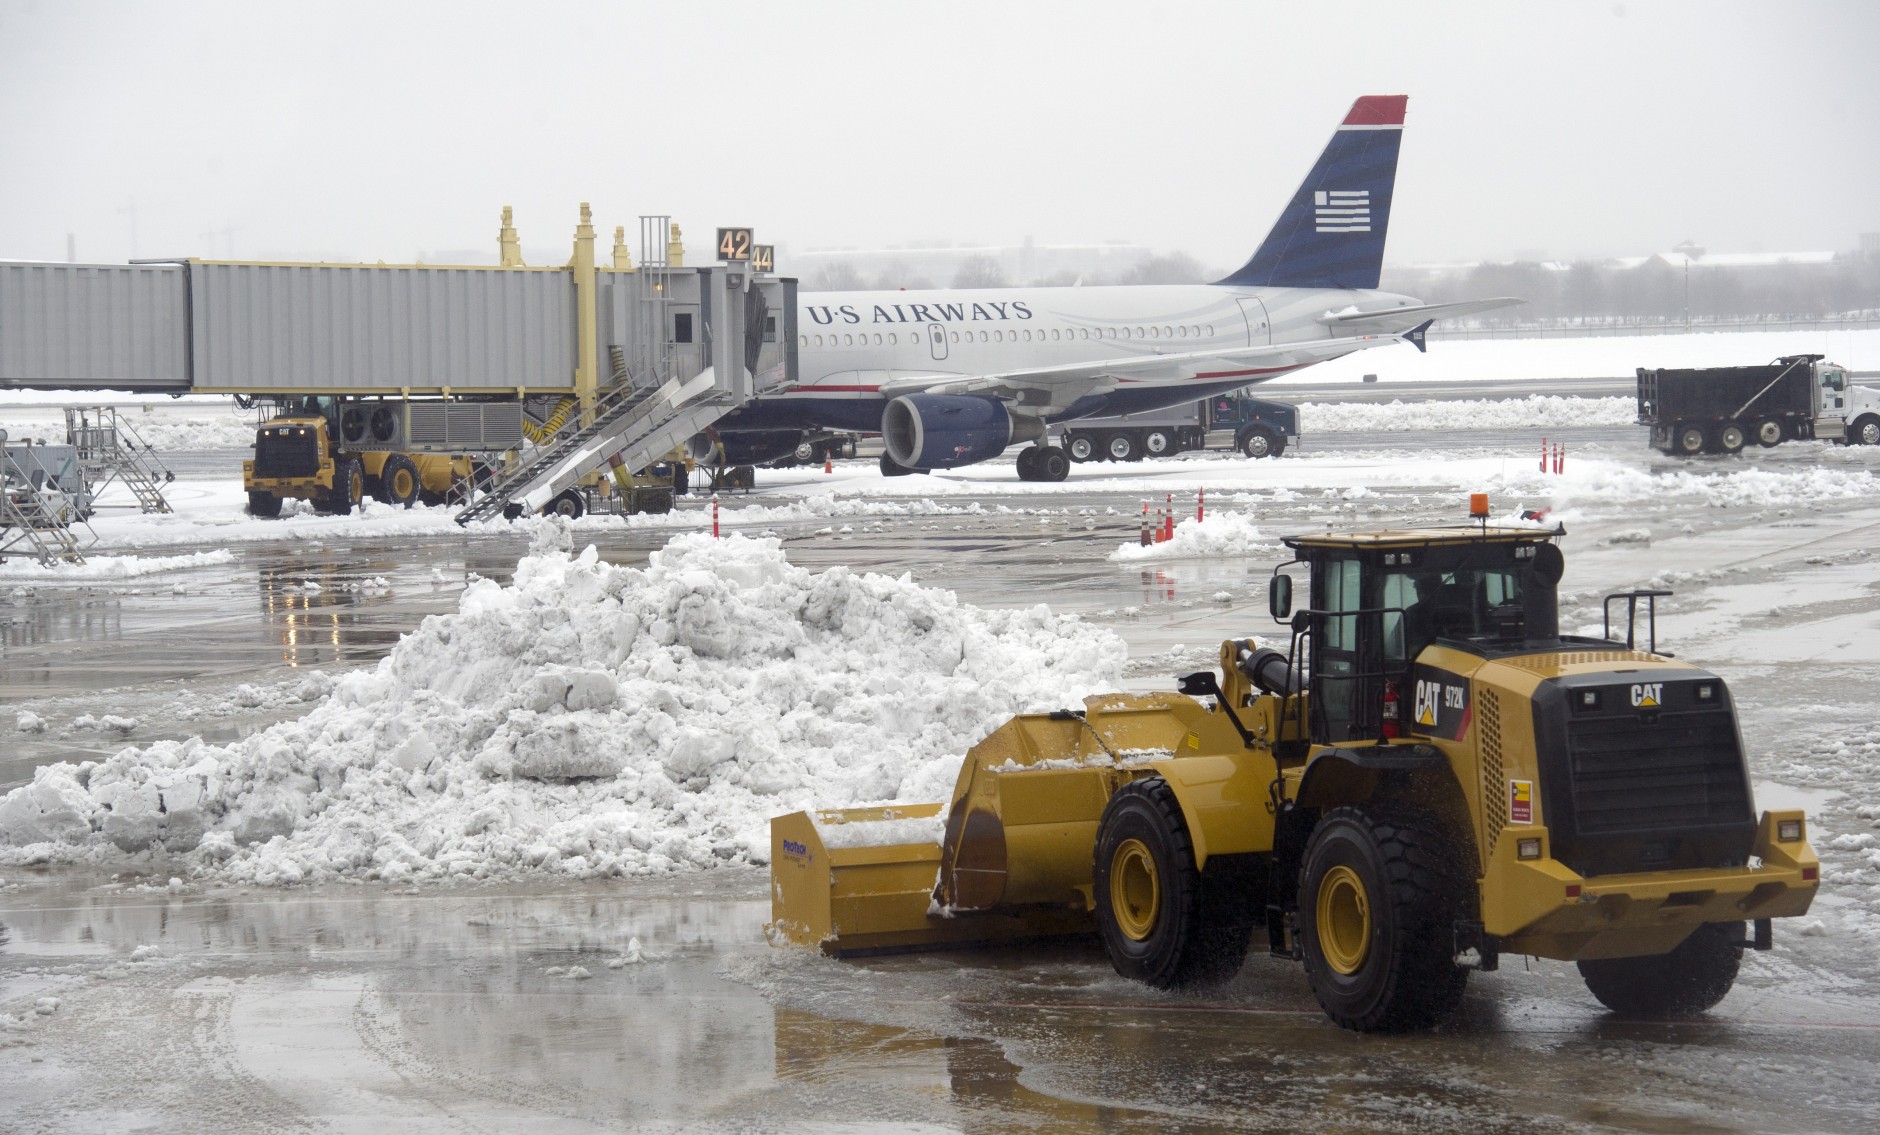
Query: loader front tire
pixel 1161 921
pixel 1378 901
pixel 1683 983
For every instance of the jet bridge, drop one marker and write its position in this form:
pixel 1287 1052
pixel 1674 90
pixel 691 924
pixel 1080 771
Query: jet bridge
pixel 428 358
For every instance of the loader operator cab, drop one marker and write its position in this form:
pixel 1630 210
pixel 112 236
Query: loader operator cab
pixel 1378 600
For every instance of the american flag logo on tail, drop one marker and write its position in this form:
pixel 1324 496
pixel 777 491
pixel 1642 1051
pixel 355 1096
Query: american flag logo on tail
pixel 1342 210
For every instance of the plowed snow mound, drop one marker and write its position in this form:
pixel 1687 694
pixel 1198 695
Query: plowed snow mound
pixel 588 719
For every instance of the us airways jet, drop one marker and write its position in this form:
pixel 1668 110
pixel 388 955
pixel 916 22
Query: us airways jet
pixel 950 378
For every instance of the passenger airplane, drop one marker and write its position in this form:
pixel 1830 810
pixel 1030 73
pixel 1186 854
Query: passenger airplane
pixel 950 378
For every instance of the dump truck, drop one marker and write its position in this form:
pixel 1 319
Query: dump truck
pixel 1723 409
pixel 1430 776
pixel 1259 428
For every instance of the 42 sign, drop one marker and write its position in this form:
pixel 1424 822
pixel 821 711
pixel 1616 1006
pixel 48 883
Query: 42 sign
pixel 737 245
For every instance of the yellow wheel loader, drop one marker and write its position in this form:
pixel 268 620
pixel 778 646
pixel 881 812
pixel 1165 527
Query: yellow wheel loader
pixel 298 457
pixel 1431 776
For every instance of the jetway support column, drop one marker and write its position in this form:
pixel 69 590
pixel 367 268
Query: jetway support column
pixel 585 317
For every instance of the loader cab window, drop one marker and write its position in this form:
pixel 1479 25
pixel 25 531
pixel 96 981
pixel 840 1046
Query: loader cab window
pixel 1372 620
pixel 1335 665
pixel 1421 606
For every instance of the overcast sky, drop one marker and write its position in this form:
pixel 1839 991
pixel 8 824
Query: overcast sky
pixel 385 130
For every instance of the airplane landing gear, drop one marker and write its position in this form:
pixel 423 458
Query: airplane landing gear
pixel 1043 463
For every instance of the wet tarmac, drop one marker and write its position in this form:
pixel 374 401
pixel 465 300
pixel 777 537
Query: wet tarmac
pixel 655 1005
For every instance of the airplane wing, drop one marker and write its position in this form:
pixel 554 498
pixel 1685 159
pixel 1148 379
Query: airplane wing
pixel 1047 390
pixel 1404 317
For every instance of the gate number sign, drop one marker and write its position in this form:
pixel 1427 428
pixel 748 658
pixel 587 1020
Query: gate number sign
pixel 734 244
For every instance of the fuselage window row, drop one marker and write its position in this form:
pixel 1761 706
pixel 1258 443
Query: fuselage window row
pixel 1057 335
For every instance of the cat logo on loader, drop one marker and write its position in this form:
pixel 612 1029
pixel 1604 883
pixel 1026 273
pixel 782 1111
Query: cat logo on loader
pixel 1391 866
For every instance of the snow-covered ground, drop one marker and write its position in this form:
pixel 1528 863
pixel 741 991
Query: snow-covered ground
pixel 591 719
pixel 178 964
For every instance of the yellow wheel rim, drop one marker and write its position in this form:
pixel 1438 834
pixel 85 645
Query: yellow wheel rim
pixel 1135 891
pixel 1344 920
pixel 401 484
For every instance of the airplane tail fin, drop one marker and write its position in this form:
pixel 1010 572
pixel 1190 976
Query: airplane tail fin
pixel 1332 232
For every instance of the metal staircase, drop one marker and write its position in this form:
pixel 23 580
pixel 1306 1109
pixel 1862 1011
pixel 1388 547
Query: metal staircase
pixel 36 517
pixel 641 424
pixel 110 450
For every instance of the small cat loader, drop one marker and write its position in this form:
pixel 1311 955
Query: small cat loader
pixel 1431 776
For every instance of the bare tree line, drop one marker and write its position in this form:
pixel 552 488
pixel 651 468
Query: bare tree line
pixel 1656 291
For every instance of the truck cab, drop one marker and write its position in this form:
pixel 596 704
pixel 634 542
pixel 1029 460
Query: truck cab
pixel 1843 409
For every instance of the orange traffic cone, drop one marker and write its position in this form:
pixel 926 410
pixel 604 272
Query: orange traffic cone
pixel 829 465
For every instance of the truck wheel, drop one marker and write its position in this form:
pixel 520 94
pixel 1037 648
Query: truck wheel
pixel 1122 447
pixel 1864 431
pixel 349 487
pixel 263 504
pixel 398 481
pixel 1258 443
pixel 1080 448
pixel 1051 464
pixel 1687 981
pixel 1377 908
pixel 1157 443
pixel 1730 437
pixel 1151 912
pixel 569 504
pixel 1768 433
pixel 1691 440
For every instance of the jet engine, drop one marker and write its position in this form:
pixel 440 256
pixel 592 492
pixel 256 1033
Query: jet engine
pixel 743 447
pixel 943 431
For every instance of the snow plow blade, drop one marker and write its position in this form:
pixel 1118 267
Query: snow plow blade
pixel 1011 856
pixel 849 898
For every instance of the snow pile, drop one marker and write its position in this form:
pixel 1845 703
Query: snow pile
pixel 1221 535
pixel 114 567
pixel 588 719
pixel 1609 482
pixel 1536 411
pixel 216 424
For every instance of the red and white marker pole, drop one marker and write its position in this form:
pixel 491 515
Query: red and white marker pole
pixel 714 516
pixel 1201 504
pixel 1543 455
pixel 1168 517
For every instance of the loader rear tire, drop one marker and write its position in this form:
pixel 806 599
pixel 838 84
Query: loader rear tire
pixel 1378 900
pixel 1161 921
pixel 1687 981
